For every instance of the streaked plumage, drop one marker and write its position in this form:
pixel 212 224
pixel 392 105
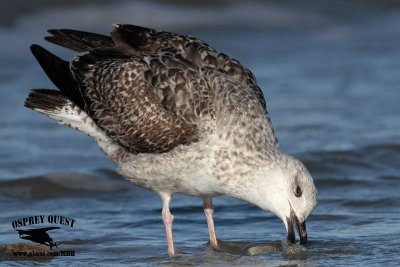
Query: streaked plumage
pixel 174 114
pixel 147 79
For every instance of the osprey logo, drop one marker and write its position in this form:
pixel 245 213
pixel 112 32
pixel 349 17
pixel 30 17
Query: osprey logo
pixel 39 234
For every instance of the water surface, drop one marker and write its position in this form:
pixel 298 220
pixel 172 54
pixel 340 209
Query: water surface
pixel 330 76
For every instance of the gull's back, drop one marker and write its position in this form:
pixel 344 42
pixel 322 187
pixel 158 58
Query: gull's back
pixel 151 91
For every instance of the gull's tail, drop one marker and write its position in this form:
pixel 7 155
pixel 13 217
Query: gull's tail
pixel 67 106
pixel 56 106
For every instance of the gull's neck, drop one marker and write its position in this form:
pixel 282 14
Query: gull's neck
pixel 257 181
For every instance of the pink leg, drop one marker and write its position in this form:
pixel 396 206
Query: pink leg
pixel 168 219
pixel 209 211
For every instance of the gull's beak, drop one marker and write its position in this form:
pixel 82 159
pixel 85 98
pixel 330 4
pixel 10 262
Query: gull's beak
pixel 300 227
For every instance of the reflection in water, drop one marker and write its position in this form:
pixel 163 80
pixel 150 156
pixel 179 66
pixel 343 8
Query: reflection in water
pixel 245 248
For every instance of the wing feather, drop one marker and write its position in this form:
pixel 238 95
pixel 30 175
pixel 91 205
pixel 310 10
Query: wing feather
pixel 125 106
pixel 79 41
pixel 148 90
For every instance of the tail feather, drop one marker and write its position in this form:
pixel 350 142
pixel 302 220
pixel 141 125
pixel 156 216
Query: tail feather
pixel 56 105
pixel 45 100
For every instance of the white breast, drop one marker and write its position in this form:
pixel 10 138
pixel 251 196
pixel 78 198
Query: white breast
pixel 185 170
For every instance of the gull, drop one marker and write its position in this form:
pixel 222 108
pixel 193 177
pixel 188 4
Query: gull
pixel 176 116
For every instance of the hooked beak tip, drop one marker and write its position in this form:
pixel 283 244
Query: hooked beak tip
pixel 300 227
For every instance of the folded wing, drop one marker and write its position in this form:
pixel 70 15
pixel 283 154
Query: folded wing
pixel 147 90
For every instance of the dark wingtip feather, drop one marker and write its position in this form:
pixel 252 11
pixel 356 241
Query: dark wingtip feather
pixel 52 31
pixel 35 49
pixel 134 36
pixel 79 41
pixel 59 37
pixel 50 39
pixel 59 73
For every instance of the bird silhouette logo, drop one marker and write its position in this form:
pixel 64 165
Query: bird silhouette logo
pixel 39 235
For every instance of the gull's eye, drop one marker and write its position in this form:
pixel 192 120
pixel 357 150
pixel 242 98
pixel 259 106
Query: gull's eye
pixel 298 191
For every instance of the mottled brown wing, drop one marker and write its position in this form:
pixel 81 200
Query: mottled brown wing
pixel 195 54
pixel 136 39
pixel 167 66
pixel 195 51
pixel 125 106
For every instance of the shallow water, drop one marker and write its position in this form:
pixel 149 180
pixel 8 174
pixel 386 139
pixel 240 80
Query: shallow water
pixel 330 75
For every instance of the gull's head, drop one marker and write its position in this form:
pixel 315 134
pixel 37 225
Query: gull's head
pixel 288 191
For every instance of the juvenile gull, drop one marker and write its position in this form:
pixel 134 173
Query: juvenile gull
pixel 176 116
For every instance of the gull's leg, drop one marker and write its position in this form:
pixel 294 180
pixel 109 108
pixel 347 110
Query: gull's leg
pixel 208 211
pixel 168 219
